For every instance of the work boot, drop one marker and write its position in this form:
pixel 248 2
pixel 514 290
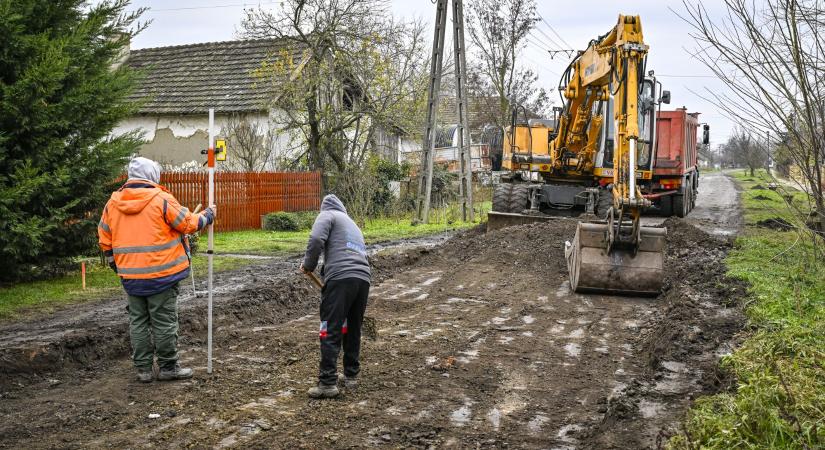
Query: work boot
pixel 323 391
pixel 347 382
pixel 175 373
pixel 145 375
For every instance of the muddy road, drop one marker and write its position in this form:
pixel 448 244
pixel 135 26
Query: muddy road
pixel 482 344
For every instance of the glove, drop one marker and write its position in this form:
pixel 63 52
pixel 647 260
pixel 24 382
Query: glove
pixel 210 213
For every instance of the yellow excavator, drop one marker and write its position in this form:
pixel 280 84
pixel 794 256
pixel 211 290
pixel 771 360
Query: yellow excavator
pixel 591 155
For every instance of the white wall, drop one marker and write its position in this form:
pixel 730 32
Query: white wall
pixel 178 140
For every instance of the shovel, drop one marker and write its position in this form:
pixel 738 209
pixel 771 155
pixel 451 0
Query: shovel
pixel 368 326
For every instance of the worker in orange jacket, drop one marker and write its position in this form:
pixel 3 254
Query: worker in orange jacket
pixel 143 235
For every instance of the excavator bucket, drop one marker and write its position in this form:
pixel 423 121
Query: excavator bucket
pixel 593 269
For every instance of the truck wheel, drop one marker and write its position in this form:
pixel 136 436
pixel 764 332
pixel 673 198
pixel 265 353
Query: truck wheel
pixel 519 197
pixel 695 192
pixel 605 202
pixel 681 201
pixel 679 205
pixel 666 205
pixel 501 197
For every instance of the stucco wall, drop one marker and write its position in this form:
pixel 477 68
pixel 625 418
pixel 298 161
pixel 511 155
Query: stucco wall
pixel 177 140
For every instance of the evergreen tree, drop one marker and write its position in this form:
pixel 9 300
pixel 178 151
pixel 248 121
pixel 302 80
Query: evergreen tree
pixel 60 96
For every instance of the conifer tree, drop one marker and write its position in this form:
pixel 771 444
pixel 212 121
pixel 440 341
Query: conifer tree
pixel 61 94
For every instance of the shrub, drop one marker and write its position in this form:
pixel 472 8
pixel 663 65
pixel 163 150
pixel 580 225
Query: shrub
pixel 289 221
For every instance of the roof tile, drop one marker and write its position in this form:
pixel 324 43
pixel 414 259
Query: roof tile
pixel 190 79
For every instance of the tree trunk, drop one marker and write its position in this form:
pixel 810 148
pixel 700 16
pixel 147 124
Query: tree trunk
pixel 316 157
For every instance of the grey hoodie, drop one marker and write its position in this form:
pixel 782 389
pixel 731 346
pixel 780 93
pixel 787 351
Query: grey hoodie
pixel 334 233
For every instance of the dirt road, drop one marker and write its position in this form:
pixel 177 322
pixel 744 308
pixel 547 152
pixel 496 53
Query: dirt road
pixel 482 345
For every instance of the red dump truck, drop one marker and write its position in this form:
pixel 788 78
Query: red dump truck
pixel 675 181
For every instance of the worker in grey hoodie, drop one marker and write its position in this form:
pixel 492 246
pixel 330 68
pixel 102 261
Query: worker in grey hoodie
pixel 346 274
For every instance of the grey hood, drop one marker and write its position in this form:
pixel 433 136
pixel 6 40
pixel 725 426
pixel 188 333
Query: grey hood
pixel 332 203
pixel 141 168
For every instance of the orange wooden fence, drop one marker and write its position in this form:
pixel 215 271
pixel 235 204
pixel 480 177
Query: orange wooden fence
pixel 242 197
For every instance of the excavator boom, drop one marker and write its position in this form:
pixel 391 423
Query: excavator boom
pixel 617 254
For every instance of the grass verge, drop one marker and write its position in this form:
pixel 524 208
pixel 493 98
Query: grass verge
pixel 779 401
pixel 262 242
pixel 45 296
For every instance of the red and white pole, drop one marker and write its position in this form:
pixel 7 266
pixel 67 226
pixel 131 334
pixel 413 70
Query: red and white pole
pixel 211 241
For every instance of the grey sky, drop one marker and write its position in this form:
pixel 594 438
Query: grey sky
pixel 190 21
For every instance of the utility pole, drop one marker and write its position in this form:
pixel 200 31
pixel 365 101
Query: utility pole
pixel 425 178
pixel 466 176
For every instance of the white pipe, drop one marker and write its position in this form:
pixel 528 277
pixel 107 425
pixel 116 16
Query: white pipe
pixel 211 240
pixel 632 168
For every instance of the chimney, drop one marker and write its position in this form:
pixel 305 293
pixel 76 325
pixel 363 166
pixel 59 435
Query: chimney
pixel 123 55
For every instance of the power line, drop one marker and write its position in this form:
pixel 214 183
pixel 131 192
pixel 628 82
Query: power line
pixel 552 53
pixel 554 32
pixel 686 76
pixel 536 38
pixel 546 36
pixel 540 66
pixel 189 8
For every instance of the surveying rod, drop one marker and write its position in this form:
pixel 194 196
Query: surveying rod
pixel 211 233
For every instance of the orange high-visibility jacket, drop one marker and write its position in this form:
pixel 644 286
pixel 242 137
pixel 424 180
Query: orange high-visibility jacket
pixel 143 228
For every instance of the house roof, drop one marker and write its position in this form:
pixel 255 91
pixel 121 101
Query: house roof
pixel 190 79
pixel 480 111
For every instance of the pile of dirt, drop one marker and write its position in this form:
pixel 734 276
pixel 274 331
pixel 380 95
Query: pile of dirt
pixel 775 223
pixel 758 186
pixel 696 281
pixel 700 320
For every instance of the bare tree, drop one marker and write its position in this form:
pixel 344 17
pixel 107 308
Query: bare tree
pixel 498 30
pixel 742 149
pixel 771 55
pixel 347 71
pixel 251 145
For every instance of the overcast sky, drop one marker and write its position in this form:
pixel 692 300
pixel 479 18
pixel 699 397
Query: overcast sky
pixel 190 21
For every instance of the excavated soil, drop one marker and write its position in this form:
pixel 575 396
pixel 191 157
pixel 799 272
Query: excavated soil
pixel 482 345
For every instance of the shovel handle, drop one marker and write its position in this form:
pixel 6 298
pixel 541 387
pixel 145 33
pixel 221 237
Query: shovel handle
pixel 315 279
pixel 198 208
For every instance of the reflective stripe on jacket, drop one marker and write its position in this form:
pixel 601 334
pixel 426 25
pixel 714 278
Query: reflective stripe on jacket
pixel 143 229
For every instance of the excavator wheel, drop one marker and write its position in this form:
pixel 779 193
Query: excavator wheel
pixel 604 203
pixel 621 271
pixel 501 197
pixel 520 198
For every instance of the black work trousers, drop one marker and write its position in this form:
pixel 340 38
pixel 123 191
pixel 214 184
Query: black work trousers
pixel 343 303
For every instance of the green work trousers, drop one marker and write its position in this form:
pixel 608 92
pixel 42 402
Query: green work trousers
pixel 154 318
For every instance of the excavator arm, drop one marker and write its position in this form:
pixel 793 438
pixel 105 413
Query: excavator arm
pixel 616 255
pixel 611 66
